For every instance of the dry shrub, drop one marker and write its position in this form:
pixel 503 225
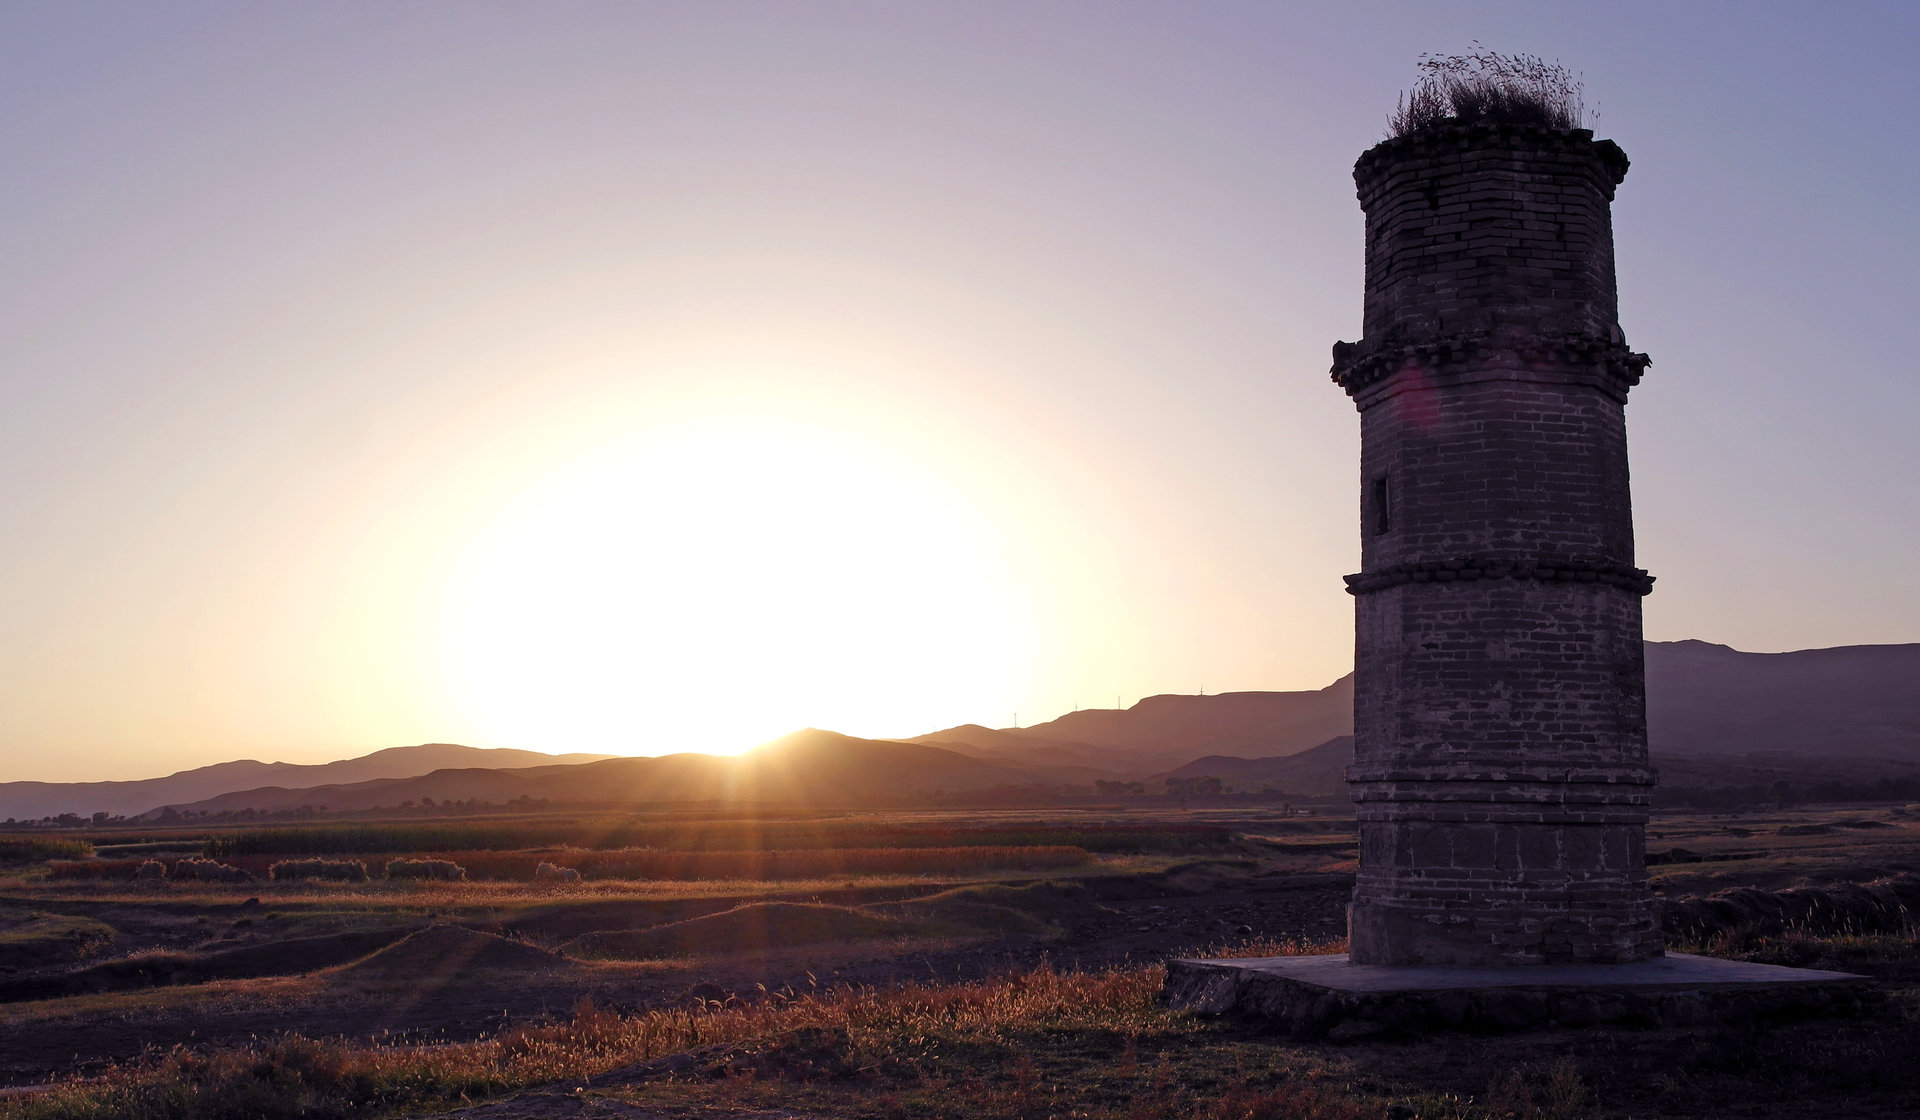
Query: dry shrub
pixel 1731 916
pixel 32 849
pixel 147 870
pixel 51 939
pixel 333 870
pixel 441 869
pixel 100 869
pixel 1486 86
pixel 869 1029
pixel 279 1080
pixel 1563 1095
pixel 206 871
pixel 1296 1100
pixel 1264 945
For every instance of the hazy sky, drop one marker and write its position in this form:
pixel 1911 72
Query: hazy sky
pixel 649 376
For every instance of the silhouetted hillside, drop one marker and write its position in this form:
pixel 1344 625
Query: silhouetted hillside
pixel 1292 721
pixel 812 766
pixel 1714 713
pixel 1015 746
pixel 1843 720
pixel 1702 700
pixel 815 765
pixel 1706 699
pixel 31 800
pixel 1163 732
pixel 1316 772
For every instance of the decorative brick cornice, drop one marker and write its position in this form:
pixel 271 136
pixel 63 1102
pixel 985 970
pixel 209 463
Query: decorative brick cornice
pixel 1445 140
pixel 1359 365
pixel 1502 777
pixel 1489 793
pixel 1473 570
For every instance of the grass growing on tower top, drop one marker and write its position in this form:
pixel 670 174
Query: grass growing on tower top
pixel 1486 86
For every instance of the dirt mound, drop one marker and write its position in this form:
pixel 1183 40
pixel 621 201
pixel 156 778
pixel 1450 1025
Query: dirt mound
pixel 1034 910
pixel 1882 906
pixel 168 967
pixel 448 951
pixel 754 927
pixel 573 918
pixel 51 939
pixel 1199 877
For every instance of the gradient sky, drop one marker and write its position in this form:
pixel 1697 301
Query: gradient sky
pixel 637 377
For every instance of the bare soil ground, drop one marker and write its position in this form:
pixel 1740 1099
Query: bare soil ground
pixel 97 974
pixel 230 989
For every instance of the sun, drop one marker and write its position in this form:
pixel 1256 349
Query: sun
pixel 714 586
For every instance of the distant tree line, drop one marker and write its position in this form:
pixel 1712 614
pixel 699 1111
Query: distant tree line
pixel 425 807
pixel 1183 789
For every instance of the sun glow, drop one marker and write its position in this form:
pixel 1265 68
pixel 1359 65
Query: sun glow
pixel 715 586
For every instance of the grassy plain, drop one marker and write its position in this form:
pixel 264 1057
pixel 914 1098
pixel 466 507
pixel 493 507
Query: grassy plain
pixel 972 970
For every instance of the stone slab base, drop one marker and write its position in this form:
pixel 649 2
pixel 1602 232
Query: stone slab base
pixel 1328 996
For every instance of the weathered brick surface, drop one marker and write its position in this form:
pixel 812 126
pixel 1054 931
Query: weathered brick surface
pixel 1490 228
pixel 1500 762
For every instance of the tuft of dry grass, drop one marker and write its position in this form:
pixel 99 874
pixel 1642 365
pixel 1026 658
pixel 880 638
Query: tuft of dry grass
pixel 1039 1043
pixel 23 848
pixel 1562 1095
pixel 1263 945
pixel 93 868
pixel 45 939
pixel 870 1029
pixel 1486 86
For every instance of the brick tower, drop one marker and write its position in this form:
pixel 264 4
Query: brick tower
pixel 1500 758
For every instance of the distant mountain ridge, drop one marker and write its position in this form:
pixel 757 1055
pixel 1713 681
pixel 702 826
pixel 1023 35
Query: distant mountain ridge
pixel 32 800
pixel 810 766
pixel 1317 771
pixel 1860 701
pixel 1163 732
pixel 1711 710
pixel 1716 716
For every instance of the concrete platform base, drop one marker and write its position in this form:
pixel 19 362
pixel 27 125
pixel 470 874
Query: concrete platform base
pixel 1328 996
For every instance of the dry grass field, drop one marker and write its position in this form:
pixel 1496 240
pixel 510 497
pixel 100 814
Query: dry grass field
pixel 949 964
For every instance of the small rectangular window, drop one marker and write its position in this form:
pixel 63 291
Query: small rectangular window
pixel 1382 506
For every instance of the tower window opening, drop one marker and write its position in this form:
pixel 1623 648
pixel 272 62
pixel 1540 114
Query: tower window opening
pixel 1382 506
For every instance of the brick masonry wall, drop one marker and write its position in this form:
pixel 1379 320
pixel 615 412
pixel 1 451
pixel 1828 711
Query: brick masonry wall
pixel 1500 764
pixel 1489 228
pixel 1496 469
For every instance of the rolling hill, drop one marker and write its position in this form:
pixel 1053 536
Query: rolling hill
pixel 1716 717
pixel 31 800
pixel 1860 701
pixel 1163 732
pixel 1315 772
pixel 1715 714
pixel 810 767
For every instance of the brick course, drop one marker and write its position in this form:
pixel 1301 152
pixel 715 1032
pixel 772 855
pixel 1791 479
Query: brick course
pixel 1500 761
